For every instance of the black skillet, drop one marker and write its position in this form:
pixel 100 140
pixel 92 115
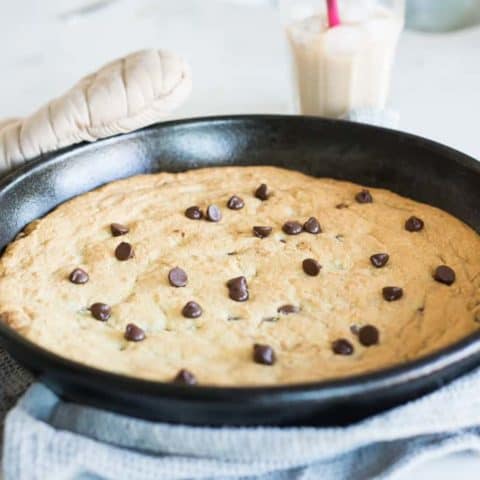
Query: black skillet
pixel 408 165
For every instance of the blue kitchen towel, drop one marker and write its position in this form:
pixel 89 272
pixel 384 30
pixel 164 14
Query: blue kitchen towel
pixel 46 437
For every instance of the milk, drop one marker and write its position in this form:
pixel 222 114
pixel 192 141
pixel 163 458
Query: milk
pixel 348 66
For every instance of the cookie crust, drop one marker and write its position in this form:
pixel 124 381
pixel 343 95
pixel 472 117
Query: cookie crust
pixel 37 298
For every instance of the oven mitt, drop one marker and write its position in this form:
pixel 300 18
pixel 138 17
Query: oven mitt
pixel 124 95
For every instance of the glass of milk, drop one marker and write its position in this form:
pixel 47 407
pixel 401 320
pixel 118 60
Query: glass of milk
pixel 344 67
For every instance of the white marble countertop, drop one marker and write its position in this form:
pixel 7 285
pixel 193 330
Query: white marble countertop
pixel 240 66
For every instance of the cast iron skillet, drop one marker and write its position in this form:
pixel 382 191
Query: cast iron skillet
pixel 406 164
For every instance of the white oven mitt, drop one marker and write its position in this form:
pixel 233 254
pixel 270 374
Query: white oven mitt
pixel 124 95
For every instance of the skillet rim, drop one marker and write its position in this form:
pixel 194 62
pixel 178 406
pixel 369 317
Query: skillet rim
pixel 327 390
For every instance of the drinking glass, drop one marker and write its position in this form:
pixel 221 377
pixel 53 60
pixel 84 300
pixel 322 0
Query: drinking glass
pixel 340 68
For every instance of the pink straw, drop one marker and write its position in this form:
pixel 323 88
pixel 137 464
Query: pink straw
pixel 333 16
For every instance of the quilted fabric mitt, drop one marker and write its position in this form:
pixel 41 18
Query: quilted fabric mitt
pixel 124 95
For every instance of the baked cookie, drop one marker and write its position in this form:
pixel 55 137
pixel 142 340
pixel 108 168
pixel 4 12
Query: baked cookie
pixel 242 276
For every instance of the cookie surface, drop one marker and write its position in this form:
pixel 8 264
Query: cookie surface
pixel 168 277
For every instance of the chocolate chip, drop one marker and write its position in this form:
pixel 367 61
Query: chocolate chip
pixel 213 213
pixel 368 335
pixel 193 213
pixel 414 224
pixel 185 377
pixel 270 319
pixel 238 289
pixel 124 251
pixel 264 354
pixel 292 228
pixel 262 232
pixel 262 192
pixel 288 309
pixel 341 206
pixel 379 260
pixel 342 347
pixel 234 319
pixel 354 329
pixel 192 310
pixel 79 276
pixel 100 311
pixel 312 226
pixel 118 229
pixel 476 316
pixel 311 267
pixel 390 294
pixel 444 274
pixel 364 196
pixel 235 203
pixel 177 277
pixel 133 333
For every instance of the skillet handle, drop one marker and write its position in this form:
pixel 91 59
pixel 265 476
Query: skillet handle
pixel 124 95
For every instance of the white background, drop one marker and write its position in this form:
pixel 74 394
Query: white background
pixel 239 63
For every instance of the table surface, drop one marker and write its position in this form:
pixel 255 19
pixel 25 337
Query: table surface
pixel 238 56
